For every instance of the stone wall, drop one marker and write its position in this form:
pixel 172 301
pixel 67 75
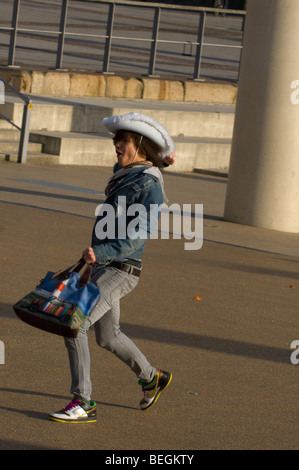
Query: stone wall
pixel 58 83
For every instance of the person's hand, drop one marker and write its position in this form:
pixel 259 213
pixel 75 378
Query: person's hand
pixel 170 159
pixel 89 256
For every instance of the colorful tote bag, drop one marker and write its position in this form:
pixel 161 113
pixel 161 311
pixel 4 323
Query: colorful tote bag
pixel 61 302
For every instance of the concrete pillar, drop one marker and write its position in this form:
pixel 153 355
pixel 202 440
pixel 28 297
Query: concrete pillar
pixel 263 184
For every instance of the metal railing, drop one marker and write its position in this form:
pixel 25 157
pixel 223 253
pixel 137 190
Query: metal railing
pixel 25 128
pixel 110 38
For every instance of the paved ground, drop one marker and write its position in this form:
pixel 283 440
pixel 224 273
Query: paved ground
pixel 233 386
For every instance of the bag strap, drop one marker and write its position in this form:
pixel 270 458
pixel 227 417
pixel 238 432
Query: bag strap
pixel 63 274
pixel 85 277
pixel 78 266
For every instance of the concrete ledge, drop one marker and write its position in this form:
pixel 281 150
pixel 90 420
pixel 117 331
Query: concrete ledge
pixel 97 150
pixel 111 86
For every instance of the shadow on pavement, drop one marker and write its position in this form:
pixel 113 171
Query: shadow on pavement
pixel 194 340
pixel 41 415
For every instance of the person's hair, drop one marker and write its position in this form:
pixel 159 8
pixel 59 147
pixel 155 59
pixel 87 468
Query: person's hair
pixel 148 149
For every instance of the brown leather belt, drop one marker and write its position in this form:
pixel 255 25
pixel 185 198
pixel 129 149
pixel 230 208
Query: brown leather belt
pixel 128 268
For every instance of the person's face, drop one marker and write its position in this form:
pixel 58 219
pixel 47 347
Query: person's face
pixel 125 152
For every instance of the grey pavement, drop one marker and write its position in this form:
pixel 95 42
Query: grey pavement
pixel 222 318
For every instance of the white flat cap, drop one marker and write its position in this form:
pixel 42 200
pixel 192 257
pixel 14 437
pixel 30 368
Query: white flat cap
pixel 143 125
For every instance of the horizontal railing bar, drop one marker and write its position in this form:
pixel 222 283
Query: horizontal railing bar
pixel 69 33
pixel 102 36
pixel 23 30
pixel 26 30
pixel 221 45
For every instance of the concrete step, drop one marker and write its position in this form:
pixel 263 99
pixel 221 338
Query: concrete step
pixel 70 128
pixel 10 135
pixel 202 153
pixel 11 147
pixel 70 115
pixel 98 150
pixel 212 172
pixel 33 159
pixel 77 148
pixel 4 125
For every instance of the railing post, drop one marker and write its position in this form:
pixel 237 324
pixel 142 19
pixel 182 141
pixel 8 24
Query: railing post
pixel 200 36
pixel 109 31
pixel 2 92
pixel 63 17
pixel 25 129
pixel 22 155
pixel 151 69
pixel 13 34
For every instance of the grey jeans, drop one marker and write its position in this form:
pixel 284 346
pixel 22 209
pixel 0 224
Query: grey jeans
pixel 113 284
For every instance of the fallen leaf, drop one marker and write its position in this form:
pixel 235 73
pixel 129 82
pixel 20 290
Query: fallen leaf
pixel 292 287
pixel 197 298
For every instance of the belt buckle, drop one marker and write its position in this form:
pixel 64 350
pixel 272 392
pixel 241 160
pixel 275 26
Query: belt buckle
pixel 127 268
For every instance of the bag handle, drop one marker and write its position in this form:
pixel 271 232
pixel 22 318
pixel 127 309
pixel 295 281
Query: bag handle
pixel 85 277
pixel 77 267
pixel 63 274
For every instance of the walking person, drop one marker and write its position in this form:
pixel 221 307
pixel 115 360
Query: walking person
pixel 142 147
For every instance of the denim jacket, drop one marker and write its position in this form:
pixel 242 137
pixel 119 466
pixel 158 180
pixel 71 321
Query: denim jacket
pixel 112 236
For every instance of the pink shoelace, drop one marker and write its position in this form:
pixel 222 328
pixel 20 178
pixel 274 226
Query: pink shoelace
pixel 75 402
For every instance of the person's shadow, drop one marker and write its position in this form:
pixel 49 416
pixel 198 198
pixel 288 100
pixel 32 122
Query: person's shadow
pixel 41 415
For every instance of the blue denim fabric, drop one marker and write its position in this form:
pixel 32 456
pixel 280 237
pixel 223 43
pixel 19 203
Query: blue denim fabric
pixel 138 188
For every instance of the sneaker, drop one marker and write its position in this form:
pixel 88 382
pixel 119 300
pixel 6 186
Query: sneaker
pixel 152 391
pixel 77 411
